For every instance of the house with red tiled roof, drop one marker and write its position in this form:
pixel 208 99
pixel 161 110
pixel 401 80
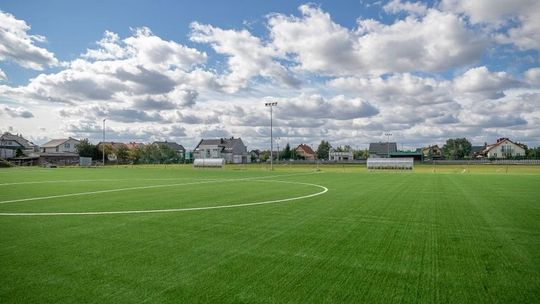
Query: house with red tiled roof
pixel 306 152
pixel 503 148
pixel 134 145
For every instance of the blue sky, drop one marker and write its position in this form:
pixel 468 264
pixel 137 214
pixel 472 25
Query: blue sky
pixel 343 71
pixel 73 26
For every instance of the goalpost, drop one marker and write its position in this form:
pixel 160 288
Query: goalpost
pixel 405 163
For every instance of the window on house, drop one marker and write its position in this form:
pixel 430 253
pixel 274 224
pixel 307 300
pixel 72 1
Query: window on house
pixel 66 145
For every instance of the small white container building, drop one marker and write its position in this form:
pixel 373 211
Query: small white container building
pixel 209 162
pixel 390 163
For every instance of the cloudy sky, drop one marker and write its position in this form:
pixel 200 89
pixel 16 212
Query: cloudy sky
pixel 347 72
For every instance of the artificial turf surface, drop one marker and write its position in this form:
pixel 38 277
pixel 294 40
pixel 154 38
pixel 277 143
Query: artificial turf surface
pixel 434 235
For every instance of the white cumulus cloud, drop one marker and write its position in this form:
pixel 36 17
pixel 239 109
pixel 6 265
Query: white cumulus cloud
pixel 18 46
pixel 432 42
pixel 516 21
pixel 247 56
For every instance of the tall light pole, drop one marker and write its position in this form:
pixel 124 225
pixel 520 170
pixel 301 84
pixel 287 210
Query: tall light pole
pixel 103 142
pixel 277 142
pixel 388 144
pixel 271 105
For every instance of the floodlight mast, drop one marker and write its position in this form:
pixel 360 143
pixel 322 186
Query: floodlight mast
pixel 271 105
pixel 388 144
pixel 103 142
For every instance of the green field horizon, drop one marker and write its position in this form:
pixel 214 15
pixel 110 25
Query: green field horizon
pixel 436 234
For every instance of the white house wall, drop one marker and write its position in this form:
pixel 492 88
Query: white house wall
pixel 501 150
pixel 69 146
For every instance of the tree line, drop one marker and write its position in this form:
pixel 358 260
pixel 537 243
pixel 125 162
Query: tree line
pixel 143 154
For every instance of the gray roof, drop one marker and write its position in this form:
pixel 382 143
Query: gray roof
pixel 23 142
pixel 54 143
pixel 171 144
pixel 226 143
pixel 382 148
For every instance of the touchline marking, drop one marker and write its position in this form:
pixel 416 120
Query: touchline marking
pixel 133 179
pixel 324 190
pixel 96 180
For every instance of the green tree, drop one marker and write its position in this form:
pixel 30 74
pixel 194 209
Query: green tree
pixel 168 155
pixel 122 154
pixel 264 156
pixel 134 155
pixel 357 154
pixel 457 148
pixel 86 149
pixel 286 153
pixel 533 153
pixel 19 152
pixel 147 154
pixel 323 149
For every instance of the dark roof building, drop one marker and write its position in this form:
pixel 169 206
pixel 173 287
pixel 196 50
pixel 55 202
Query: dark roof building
pixel 231 149
pixel 10 143
pixel 171 144
pixel 417 156
pixel 382 149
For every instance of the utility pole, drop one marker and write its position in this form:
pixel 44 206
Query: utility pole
pixel 271 105
pixel 103 142
pixel 388 144
pixel 277 142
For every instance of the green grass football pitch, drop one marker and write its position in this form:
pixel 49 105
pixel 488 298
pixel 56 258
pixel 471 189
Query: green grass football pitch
pixel 156 234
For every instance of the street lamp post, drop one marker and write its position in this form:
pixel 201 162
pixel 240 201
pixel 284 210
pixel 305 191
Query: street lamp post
pixel 388 144
pixel 103 142
pixel 271 105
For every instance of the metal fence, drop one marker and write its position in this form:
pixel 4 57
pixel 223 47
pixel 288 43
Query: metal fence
pixel 427 162
pixel 486 162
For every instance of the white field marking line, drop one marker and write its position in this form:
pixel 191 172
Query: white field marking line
pixel 97 180
pixel 136 188
pixel 128 179
pixel 324 190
